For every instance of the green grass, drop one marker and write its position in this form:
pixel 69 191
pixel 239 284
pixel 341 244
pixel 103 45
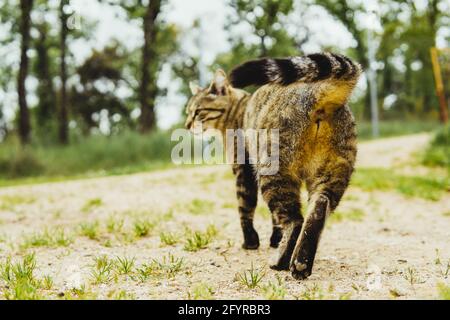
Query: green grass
pixel 250 278
pixel 275 290
pixel 124 266
pixel 394 128
pixel 198 240
pixel 101 271
pixel 166 267
pixel 9 202
pixel 91 204
pixel 438 152
pixel 199 207
pixel 201 291
pixel 90 230
pixel 57 237
pixel 429 187
pixel 114 225
pixel 120 295
pixel 97 155
pixel 444 291
pixel 354 214
pixel 142 227
pixel 79 294
pixel 169 238
pixel 20 282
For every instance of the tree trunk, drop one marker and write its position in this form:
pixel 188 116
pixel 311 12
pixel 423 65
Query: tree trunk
pixel 63 126
pixel 45 91
pixel 148 88
pixel 24 115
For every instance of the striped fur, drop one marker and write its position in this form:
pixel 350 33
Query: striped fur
pixel 305 98
pixel 309 68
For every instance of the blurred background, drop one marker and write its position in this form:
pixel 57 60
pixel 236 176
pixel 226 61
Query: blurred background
pixel 92 87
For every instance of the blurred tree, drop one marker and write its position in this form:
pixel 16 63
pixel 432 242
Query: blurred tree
pixel 100 78
pixel 46 108
pixel 267 19
pixel 186 66
pixel 408 40
pixel 159 42
pixel 62 115
pixel 9 21
pixel 345 12
pixel 25 25
pixel 419 35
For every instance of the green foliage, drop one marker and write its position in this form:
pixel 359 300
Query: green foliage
pixel 438 152
pixel 102 69
pixel 430 188
pixel 352 215
pixel 92 154
pixel 266 19
pixel 393 128
pixel 410 38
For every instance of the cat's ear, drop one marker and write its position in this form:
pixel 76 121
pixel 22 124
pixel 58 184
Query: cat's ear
pixel 195 88
pixel 220 84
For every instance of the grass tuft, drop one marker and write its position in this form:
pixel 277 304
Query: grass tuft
pixel 102 270
pixel 275 290
pixel 250 278
pixel 90 230
pixel 200 207
pixel 21 283
pixel 169 238
pixel 201 291
pixel 142 227
pixel 168 267
pixel 198 240
pixel 52 239
pixel 92 204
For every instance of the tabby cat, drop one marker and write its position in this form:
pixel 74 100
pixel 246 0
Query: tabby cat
pixel 306 99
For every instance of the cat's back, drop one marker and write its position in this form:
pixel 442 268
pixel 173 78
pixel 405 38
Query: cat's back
pixel 275 106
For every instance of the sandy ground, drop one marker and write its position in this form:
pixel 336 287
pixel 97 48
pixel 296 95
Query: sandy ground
pixel 390 253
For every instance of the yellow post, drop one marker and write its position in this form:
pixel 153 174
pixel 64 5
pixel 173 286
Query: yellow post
pixel 439 85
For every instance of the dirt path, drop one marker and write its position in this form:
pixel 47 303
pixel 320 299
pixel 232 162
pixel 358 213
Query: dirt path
pixel 392 247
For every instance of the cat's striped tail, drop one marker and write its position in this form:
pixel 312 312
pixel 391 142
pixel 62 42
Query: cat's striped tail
pixel 309 68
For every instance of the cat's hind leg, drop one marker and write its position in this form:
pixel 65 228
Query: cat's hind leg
pixel 281 192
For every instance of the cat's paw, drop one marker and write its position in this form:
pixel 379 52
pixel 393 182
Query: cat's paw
pixel 251 241
pixel 300 271
pixel 250 246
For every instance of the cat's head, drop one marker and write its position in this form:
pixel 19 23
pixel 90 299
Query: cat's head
pixel 209 106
